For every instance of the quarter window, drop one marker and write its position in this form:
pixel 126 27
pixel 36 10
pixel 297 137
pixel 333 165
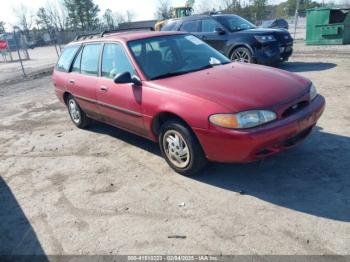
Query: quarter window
pixel 115 61
pixel 89 59
pixel 66 58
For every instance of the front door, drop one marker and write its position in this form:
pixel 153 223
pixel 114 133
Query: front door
pixel 119 104
pixel 210 36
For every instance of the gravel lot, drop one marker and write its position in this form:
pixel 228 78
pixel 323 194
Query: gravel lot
pixel 105 191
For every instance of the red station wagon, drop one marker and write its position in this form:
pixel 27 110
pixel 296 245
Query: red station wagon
pixel 176 90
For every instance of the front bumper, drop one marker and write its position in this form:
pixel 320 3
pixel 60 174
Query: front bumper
pixel 273 53
pixel 228 145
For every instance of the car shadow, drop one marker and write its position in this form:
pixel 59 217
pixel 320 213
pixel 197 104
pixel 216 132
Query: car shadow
pixel 130 138
pixel 18 241
pixel 312 178
pixel 305 66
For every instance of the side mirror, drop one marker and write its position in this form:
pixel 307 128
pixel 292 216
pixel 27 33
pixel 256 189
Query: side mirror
pixel 126 78
pixel 220 31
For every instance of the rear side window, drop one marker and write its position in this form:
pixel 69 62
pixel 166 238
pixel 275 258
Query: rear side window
pixel 190 26
pixel 66 58
pixel 90 58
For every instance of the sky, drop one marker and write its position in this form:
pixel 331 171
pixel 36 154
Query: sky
pixel 143 9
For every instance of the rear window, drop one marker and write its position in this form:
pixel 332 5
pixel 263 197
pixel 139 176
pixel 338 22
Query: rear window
pixel 66 58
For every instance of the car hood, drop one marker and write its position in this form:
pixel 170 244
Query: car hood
pixel 279 34
pixel 264 31
pixel 240 87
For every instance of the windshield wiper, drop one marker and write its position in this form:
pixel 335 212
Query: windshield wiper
pixel 186 72
pixel 169 75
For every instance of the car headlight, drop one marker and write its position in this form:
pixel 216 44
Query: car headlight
pixel 244 119
pixel 312 92
pixel 265 38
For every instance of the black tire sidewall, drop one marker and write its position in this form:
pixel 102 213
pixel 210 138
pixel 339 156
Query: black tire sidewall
pixel 245 49
pixel 196 154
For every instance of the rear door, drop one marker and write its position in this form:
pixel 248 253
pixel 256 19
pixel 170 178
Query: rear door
pixel 61 71
pixel 82 80
pixel 120 104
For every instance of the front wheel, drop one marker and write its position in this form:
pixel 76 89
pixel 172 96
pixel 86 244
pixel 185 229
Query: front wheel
pixel 180 148
pixel 242 54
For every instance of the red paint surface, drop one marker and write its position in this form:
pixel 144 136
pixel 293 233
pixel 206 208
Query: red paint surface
pixel 194 97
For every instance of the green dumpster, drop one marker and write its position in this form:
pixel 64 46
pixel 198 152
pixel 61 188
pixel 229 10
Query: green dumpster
pixel 328 26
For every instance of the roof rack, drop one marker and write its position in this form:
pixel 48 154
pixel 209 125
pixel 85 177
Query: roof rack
pixel 103 33
pixel 85 36
pixel 125 30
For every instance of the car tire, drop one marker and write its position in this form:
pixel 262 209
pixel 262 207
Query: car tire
pixel 77 115
pixel 242 54
pixel 175 140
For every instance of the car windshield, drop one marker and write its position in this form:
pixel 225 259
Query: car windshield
pixel 235 23
pixel 171 55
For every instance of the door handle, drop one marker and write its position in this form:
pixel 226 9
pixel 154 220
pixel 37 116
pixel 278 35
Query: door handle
pixel 71 81
pixel 104 88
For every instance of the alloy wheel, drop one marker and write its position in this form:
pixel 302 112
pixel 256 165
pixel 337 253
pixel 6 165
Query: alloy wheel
pixel 241 55
pixel 176 149
pixel 74 111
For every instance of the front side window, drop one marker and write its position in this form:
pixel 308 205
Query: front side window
pixel 115 61
pixel 209 25
pixel 66 58
pixel 166 56
pixel 90 58
pixel 190 26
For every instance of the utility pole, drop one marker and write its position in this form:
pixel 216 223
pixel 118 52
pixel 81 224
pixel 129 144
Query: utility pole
pixel 296 18
pixel 18 52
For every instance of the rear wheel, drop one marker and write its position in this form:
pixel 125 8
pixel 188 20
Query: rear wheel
pixel 78 116
pixel 180 148
pixel 242 54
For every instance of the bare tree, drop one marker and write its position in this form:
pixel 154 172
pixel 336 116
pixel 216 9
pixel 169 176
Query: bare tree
pixel 163 10
pixel 2 27
pixel 204 6
pixel 43 20
pixel 24 17
pixel 108 19
pixel 118 18
pixel 58 14
pixel 130 15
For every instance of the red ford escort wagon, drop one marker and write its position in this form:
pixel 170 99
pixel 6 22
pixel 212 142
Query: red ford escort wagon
pixel 176 90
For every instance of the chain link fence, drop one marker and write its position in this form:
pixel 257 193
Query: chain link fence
pixel 36 52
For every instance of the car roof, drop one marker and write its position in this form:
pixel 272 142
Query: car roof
pixel 126 36
pixel 197 17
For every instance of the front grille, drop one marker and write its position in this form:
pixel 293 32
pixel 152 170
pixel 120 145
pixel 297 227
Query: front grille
pixel 297 138
pixel 294 108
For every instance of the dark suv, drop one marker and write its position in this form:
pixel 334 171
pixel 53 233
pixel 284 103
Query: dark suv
pixel 237 38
